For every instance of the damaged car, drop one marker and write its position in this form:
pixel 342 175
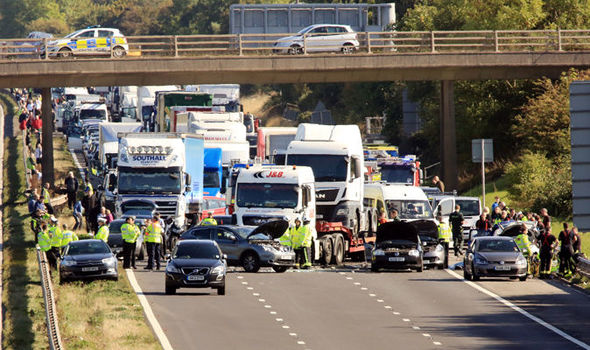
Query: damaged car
pixel 250 247
pixel 397 246
pixel 433 252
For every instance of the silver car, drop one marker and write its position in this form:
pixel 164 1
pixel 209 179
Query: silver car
pixel 494 256
pixel 319 38
pixel 249 246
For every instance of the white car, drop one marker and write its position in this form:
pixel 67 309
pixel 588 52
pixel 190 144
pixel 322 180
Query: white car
pixel 92 41
pixel 319 38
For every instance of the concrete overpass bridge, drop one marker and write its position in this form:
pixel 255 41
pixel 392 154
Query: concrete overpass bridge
pixel 384 56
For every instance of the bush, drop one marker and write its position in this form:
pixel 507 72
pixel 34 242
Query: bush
pixel 536 182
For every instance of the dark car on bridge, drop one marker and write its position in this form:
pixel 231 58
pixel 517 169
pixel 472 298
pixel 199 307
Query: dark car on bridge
pixel 196 264
pixel 397 246
pixel 494 256
pixel 88 259
pixel 249 246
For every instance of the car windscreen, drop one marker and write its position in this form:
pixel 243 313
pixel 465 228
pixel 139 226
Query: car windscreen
pixel 244 231
pixel 469 207
pixel 259 195
pixel 496 245
pixel 93 114
pixel 196 251
pixel 325 168
pixel 90 247
pixel 397 175
pixel 410 209
pixel 150 181
pixel 211 178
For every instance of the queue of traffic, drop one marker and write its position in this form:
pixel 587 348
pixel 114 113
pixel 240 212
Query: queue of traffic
pixel 205 161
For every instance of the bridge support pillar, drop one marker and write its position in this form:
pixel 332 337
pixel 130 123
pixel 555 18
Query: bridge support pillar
pixel 47 136
pixel 448 138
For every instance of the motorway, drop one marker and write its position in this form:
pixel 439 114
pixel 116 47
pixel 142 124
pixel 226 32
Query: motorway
pixel 351 308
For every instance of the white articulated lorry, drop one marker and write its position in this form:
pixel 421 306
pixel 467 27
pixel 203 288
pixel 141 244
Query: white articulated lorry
pixel 335 153
pixel 165 168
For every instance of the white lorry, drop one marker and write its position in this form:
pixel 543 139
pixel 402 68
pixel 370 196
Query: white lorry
pixel 108 141
pixel 266 193
pixel 164 168
pixel 272 143
pixel 335 153
pixel 146 101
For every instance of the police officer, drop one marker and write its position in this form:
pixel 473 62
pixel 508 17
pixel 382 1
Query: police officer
pixel 47 198
pixel 444 237
pixel 44 242
pixel 130 233
pixel 456 219
pixel 285 239
pixel 55 235
pixel 301 241
pixel 209 220
pixel 103 230
pixel 548 243
pixel 67 236
pixel 523 243
pixel 153 238
pixel 306 243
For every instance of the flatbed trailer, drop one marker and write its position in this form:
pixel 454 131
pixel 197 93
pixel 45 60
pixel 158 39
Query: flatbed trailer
pixel 337 241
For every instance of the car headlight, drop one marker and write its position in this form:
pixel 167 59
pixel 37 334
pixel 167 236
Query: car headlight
pixel 439 248
pixel 414 252
pixel 378 252
pixel 68 262
pixel 268 248
pixel 109 261
pixel 521 261
pixel 171 268
pixel 481 260
pixel 218 270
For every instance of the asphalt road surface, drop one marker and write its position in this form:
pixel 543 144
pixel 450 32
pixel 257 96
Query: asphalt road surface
pixel 352 308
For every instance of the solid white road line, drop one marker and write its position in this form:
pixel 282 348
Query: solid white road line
pixel 147 310
pixel 79 166
pixel 521 311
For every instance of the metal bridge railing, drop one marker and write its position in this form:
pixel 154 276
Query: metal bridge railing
pixel 419 42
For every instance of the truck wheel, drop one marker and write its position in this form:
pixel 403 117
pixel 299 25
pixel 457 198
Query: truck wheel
pixel 326 246
pixel 338 256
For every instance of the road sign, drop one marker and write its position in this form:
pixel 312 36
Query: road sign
pixel 488 150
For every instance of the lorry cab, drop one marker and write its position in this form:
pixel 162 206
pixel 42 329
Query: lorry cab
pixel 267 193
pixel 444 205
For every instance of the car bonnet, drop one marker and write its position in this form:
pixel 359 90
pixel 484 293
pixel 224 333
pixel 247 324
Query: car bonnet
pixel 397 230
pixel 426 228
pixel 275 229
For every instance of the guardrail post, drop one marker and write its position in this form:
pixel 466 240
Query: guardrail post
pixel 559 48
pixel 175 38
pixel 496 46
pixel 240 44
pixel 432 42
pixel 368 41
pixel 46 48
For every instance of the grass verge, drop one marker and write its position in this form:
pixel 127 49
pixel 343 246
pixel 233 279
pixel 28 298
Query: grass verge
pixel 22 299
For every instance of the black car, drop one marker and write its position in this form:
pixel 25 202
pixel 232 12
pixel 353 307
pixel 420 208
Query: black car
pixel 196 264
pixel 494 257
pixel 249 246
pixel 397 246
pixel 87 259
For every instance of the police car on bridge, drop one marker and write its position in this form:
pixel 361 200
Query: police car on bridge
pixel 91 41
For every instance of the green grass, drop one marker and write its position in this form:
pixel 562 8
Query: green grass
pixel 498 187
pixel 22 298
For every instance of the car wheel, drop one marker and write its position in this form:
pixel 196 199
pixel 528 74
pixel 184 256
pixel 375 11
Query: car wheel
pixel 119 52
pixel 420 268
pixel 279 269
pixel 63 280
pixel 522 279
pixel 326 258
pixel 374 268
pixel 64 53
pixel 338 254
pixel 474 277
pixel 221 290
pixel 250 262
pixel 347 49
pixel 466 275
pixel 170 290
pixel 295 50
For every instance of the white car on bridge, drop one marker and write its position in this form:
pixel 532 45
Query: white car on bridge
pixel 92 41
pixel 319 38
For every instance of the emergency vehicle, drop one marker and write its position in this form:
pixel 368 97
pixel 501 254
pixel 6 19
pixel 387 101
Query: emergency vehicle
pixel 91 41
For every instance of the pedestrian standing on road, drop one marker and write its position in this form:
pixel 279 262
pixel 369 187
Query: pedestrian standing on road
pixel 47 198
pixel 298 237
pixel 103 230
pixel 72 187
pixel 444 237
pixel 130 233
pixel 285 238
pixel 153 238
pixel 565 253
pixel 438 183
pixel 548 243
pixel 78 212
pixel 456 219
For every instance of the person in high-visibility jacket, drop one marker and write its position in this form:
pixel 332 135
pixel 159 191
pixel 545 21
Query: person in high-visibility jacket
pixel 523 243
pixel 103 230
pixel 153 238
pixel 209 220
pixel 47 198
pixel 301 241
pixel 55 235
pixel 67 236
pixel 285 239
pixel 130 233
pixel 444 238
